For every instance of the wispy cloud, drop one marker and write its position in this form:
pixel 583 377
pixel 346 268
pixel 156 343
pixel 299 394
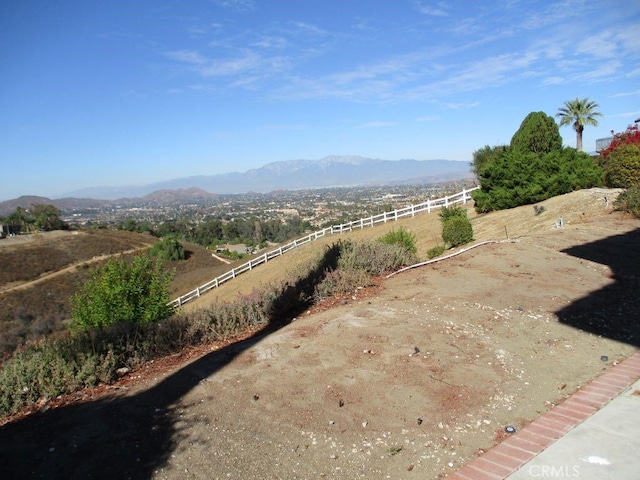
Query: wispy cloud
pixel 625 94
pixel 239 5
pixel 187 56
pixel 554 81
pixel 246 69
pixel 309 28
pixel 461 105
pixel 276 60
pixel 604 72
pixel 634 73
pixel 625 114
pixel 199 30
pixel 427 119
pixel 484 73
pixel 600 45
pixel 271 42
pixel 439 10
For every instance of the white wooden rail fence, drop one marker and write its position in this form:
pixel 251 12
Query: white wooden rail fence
pixel 410 211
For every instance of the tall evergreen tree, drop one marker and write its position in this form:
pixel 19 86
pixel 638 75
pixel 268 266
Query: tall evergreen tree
pixel 538 133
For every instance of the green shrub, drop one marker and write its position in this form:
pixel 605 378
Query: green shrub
pixel 401 237
pixel 450 212
pixel 374 258
pixel 360 262
pixel 629 201
pixel 169 248
pixel 513 177
pixel 457 231
pixel 622 166
pixel 135 292
pixel 538 133
pixel 436 251
pixel 339 282
pixel 47 369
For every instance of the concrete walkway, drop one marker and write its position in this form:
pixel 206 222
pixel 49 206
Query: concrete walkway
pixel 593 435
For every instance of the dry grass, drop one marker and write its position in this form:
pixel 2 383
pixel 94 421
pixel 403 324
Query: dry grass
pixel 40 273
pixel 514 223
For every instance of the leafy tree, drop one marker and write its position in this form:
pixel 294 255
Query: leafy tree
pixel 533 168
pixel 620 159
pixel 538 133
pixel 630 136
pixel 132 292
pixel 37 217
pixel 169 248
pixel 231 230
pixel 167 228
pixel 516 178
pixel 622 167
pixel 46 217
pixel 208 232
pixel 18 221
pixel 484 155
pixel 578 113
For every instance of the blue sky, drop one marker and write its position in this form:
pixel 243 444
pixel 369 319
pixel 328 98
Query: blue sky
pixel 131 92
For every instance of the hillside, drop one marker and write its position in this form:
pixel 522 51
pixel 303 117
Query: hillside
pixel 575 208
pixel 39 273
pixel 410 379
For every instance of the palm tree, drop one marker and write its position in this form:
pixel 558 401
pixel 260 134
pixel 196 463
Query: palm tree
pixel 578 113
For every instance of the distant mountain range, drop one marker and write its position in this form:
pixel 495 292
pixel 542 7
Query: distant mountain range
pixel 331 171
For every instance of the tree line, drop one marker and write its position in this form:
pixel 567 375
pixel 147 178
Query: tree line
pixel 212 232
pixel 535 166
pixel 38 217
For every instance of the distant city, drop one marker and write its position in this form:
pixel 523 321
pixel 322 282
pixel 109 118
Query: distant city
pixel 318 207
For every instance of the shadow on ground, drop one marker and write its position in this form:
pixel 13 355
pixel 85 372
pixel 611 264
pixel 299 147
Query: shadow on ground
pixel 130 437
pixel 613 311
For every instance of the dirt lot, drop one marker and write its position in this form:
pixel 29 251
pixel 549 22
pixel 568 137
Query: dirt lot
pixel 411 379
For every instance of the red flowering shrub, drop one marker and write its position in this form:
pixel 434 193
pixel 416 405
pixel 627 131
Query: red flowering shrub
pixel 620 161
pixel 630 136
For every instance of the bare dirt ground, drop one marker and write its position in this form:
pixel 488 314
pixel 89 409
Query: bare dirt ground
pixel 409 379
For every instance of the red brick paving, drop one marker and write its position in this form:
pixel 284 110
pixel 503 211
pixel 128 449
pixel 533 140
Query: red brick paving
pixel 516 450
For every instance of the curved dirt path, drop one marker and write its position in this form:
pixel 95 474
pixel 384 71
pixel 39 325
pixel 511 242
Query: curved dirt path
pixel 48 276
